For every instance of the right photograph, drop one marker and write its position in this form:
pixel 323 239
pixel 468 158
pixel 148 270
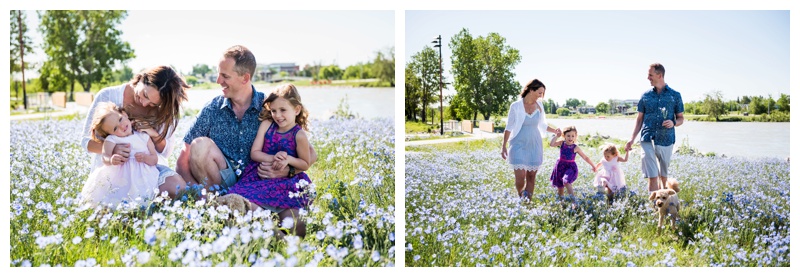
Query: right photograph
pixel 597 138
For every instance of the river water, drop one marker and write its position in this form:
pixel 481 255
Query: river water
pixel 321 102
pixel 743 139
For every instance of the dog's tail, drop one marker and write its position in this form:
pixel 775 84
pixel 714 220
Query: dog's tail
pixel 673 185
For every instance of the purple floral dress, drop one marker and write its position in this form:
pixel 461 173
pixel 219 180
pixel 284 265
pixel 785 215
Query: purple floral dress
pixel 274 192
pixel 566 170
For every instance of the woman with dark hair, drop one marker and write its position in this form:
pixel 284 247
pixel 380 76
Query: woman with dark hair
pixel 152 99
pixel 525 128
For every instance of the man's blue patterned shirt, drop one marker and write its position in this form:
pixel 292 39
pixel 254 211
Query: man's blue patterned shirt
pixel 658 107
pixel 233 137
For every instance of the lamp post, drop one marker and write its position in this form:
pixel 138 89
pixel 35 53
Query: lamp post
pixel 438 43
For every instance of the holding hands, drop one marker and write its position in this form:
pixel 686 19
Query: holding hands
pixel 121 153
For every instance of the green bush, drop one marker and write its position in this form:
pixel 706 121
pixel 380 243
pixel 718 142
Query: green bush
pixel 562 111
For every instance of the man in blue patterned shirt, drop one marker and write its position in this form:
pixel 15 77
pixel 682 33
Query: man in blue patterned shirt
pixel 660 111
pixel 217 147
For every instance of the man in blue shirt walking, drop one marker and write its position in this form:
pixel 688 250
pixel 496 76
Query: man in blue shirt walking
pixel 660 111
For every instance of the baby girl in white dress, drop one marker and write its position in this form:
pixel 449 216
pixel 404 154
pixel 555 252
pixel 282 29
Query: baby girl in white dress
pixel 115 182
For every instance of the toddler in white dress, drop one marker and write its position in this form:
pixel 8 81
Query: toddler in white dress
pixel 115 182
pixel 610 179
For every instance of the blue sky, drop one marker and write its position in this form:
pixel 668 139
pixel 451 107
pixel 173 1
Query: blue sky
pixel 598 55
pixel 186 38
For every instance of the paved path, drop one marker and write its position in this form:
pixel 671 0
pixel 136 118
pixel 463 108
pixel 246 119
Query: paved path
pixel 476 136
pixel 71 108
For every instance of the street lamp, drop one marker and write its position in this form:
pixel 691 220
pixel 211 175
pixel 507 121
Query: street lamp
pixel 438 43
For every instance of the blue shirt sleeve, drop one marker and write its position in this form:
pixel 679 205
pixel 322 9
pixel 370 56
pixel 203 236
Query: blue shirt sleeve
pixel 640 105
pixel 201 126
pixel 679 104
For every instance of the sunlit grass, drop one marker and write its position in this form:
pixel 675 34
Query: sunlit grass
pixel 350 223
pixel 462 210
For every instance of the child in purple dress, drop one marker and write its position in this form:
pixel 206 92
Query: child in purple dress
pixel 566 170
pixel 282 140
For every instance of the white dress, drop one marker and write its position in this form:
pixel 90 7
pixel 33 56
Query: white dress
pixel 114 184
pixel 611 172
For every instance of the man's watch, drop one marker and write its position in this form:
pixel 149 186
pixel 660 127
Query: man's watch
pixel 291 171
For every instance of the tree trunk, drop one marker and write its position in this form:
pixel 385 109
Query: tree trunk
pixel 22 60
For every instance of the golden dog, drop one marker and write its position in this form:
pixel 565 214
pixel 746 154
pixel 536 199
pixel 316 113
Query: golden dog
pixel 666 202
pixel 235 202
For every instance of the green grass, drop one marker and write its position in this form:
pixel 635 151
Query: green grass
pixel 350 223
pixel 462 210
pixel 418 127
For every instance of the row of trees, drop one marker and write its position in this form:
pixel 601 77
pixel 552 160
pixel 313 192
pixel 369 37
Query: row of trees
pixel 714 106
pixel 483 77
pixel 381 67
pixel 82 47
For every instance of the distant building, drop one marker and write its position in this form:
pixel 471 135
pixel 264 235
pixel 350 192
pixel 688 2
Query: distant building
pixel 268 71
pixel 623 106
pixel 587 110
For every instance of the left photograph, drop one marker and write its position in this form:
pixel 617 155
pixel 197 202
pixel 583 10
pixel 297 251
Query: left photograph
pixel 200 138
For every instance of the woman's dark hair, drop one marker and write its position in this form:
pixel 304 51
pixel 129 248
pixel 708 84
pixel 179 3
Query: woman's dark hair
pixel 533 85
pixel 172 90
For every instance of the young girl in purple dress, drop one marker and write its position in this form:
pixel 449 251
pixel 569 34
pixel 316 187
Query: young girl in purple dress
pixel 281 139
pixel 566 170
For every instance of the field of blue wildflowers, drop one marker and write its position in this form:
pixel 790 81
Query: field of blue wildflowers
pixel 462 210
pixel 350 223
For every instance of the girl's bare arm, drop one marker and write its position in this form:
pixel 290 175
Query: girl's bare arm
pixel 621 159
pixel 255 151
pixel 302 162
pixel 585 158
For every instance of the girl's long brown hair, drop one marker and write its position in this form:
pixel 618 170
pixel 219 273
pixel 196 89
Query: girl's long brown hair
pixel 288 92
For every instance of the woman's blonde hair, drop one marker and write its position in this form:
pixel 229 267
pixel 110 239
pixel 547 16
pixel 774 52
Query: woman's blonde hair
pixel 288 92
pixel 102 110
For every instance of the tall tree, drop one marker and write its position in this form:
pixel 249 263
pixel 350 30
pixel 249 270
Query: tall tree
pixel 425 65
pixel 757 105
pixel 483 72
pixel 573 103
pixel 499 84
pixel 713 105
pixel 383 66
pixel 466 70
pixel 412 96
pixel 770 103
pixel 21 44
pixel 102 46
pixel 552 105
pixel 59 30
pixel 602 107
pixel 201 70
pixel 82 45
pixel 783 103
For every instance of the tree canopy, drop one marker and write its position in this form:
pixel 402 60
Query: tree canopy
pixel 483 73
pixel 81 46
pixel 425 66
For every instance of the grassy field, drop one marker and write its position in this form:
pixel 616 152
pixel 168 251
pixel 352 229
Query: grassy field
pixel 350 223
pixel 462 210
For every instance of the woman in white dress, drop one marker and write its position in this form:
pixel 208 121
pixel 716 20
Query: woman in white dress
pixel 152 99
pixel 524 131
